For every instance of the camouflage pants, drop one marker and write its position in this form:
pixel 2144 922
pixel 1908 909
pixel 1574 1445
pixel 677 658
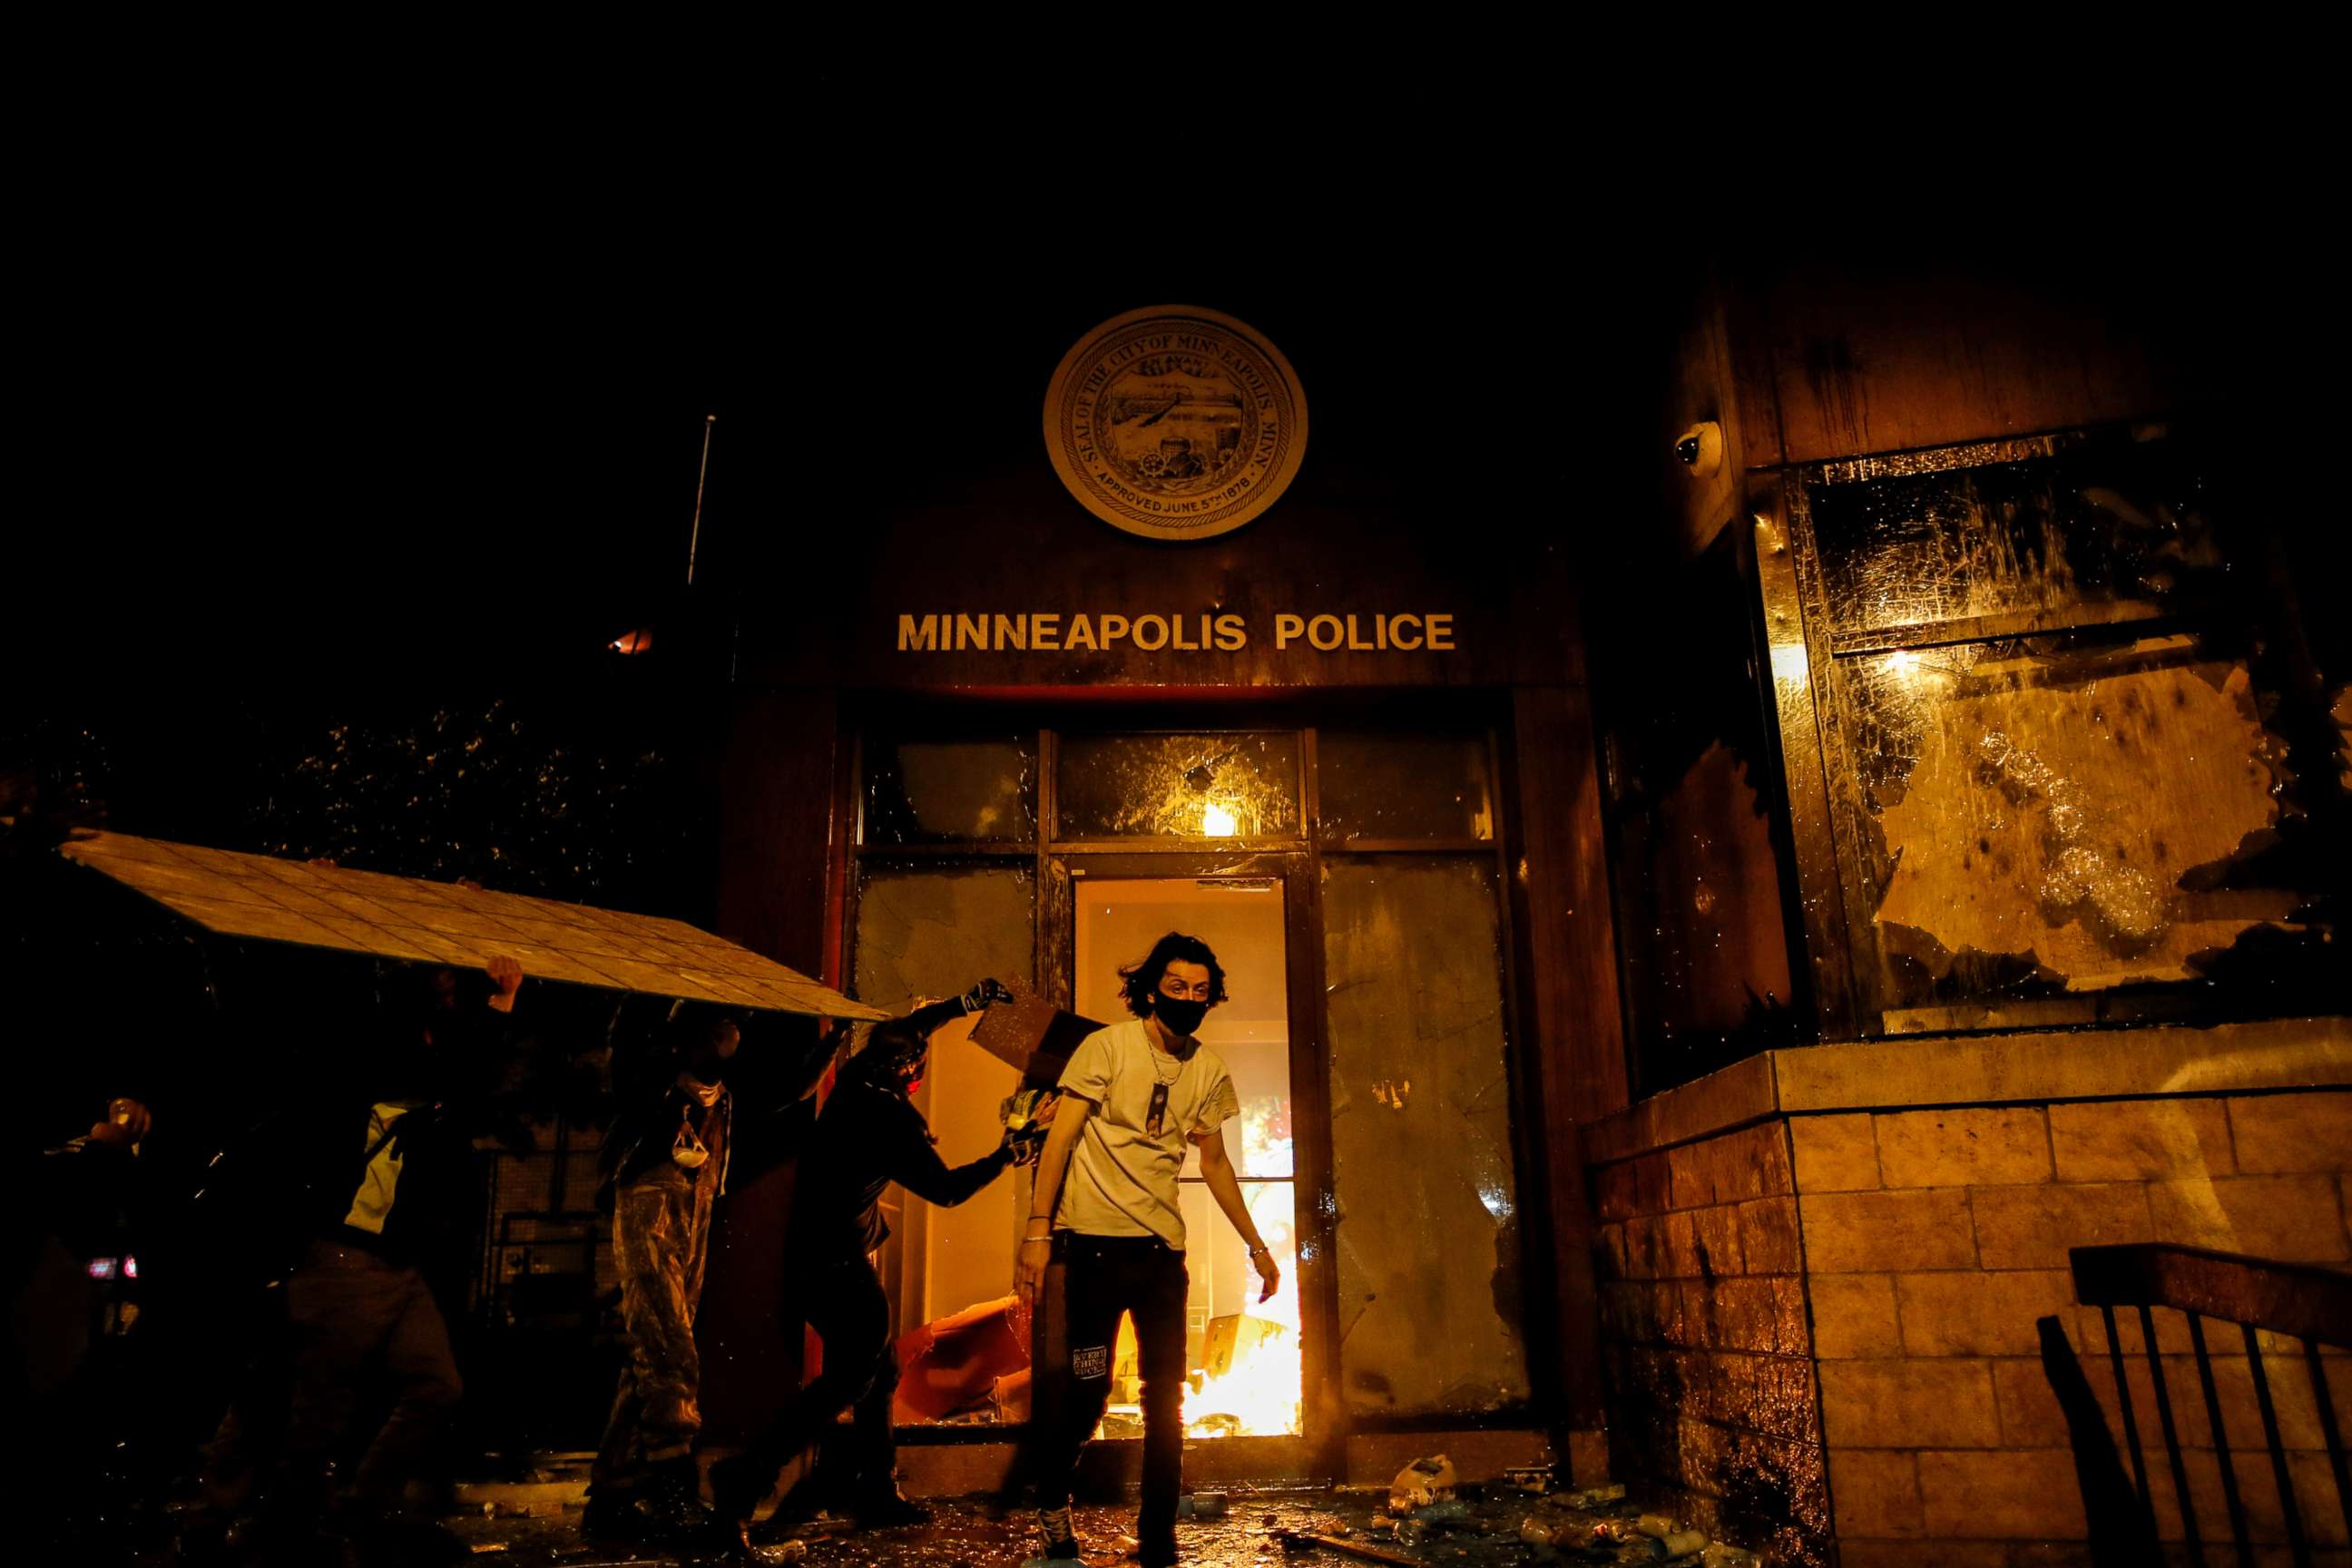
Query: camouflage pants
pixel 661 1237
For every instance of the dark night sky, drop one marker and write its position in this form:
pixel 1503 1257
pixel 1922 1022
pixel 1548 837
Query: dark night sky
pixel 396 462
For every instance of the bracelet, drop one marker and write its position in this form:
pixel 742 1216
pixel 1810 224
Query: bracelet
pixel 1036 1240
pixel 1261 1249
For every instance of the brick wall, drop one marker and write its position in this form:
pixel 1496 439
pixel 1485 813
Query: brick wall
pixel 1708 1357
pixel 1928 1248
pixel 1935 1242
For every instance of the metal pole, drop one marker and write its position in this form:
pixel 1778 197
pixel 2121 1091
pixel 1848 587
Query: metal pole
pixel 694 541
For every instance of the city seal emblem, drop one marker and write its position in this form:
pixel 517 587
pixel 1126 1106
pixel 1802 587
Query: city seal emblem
pixel 1175 423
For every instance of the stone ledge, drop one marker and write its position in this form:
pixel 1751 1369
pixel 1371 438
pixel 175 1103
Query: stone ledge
pixel 1984 1070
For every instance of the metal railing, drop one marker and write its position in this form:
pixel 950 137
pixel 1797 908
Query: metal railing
pixel 2301 1302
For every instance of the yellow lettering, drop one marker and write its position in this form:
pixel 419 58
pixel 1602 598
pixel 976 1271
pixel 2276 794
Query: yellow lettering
pixel 1082 634
pixel 1233 634
pixel 1316 635
pixel 1113 628
pixel 1287 629
pixel 1158 626
pixel 1046 632
pixel 921 636
pixel 1013 631
pixel 1441 633
pixel 1397 632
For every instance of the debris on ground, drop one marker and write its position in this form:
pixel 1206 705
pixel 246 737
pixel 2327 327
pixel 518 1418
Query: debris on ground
pixel 1495 1526
pixel 1529 1477
pixel 1422 1482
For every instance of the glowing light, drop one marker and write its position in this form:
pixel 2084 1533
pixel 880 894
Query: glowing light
pixel 1218 822
pixel 1258 1395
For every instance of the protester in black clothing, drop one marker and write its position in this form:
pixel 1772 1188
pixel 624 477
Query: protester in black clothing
pixel 868 1136
pixel 395 1178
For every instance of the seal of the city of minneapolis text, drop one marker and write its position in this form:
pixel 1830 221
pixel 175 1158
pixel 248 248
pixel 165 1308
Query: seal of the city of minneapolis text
pixel 1175 422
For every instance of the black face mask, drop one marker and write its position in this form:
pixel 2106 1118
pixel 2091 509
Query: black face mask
pixel 1183 1017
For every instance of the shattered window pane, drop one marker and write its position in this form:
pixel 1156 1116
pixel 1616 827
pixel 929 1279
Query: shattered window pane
pixel 1428 1229
pixel 2049 535
pixel 931 931
pixel 2046 816
pixel 931 792
pixel 1704 948
pixel 1178 786
pixel 1399 786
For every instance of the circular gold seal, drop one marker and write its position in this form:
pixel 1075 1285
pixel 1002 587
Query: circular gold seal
pixel 1175 422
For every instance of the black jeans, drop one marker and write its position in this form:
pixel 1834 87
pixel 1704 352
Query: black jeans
pixel 844 1302
pixel 1104 1277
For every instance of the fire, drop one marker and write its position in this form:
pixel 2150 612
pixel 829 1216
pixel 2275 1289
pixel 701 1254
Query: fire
pixel 1257 1396
pixel 1259 1393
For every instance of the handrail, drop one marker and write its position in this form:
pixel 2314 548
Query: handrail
pixel 2295 1298
pixel 2258 1294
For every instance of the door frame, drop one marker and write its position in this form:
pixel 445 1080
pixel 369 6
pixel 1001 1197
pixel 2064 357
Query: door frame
pixel 1323 1417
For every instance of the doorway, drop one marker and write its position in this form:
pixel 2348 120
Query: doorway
pixel 1371 1041
pixel 1242 1356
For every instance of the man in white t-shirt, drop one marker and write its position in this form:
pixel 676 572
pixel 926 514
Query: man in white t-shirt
pixel 1134 1096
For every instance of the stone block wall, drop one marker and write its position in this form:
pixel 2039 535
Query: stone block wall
pixel 1929 1246
pixel 1936 1242
pixel 1709 1358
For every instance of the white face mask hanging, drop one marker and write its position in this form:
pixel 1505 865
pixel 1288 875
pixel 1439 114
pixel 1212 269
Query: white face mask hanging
pixel 687 1150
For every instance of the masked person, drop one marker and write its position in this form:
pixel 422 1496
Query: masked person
pixel 868 1136
pixel 665 1164
pixel 1104 1206
pixel 400 1176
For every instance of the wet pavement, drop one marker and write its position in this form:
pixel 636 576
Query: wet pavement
pixel 1488 1532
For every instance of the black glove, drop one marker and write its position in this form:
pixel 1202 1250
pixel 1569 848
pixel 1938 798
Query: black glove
pixel 988 990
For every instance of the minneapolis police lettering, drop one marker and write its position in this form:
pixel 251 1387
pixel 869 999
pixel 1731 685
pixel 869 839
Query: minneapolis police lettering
pixel 1404 631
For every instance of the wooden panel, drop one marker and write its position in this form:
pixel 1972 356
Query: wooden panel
pixel 1701 389
pixel 776 782
pixel 776 793
pixel 1882 362
pixel 1561 921
pixel 737 1326
pixel 1563 876
pixel 986 556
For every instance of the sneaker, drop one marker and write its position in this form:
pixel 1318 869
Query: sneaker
pixel 1061 1542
